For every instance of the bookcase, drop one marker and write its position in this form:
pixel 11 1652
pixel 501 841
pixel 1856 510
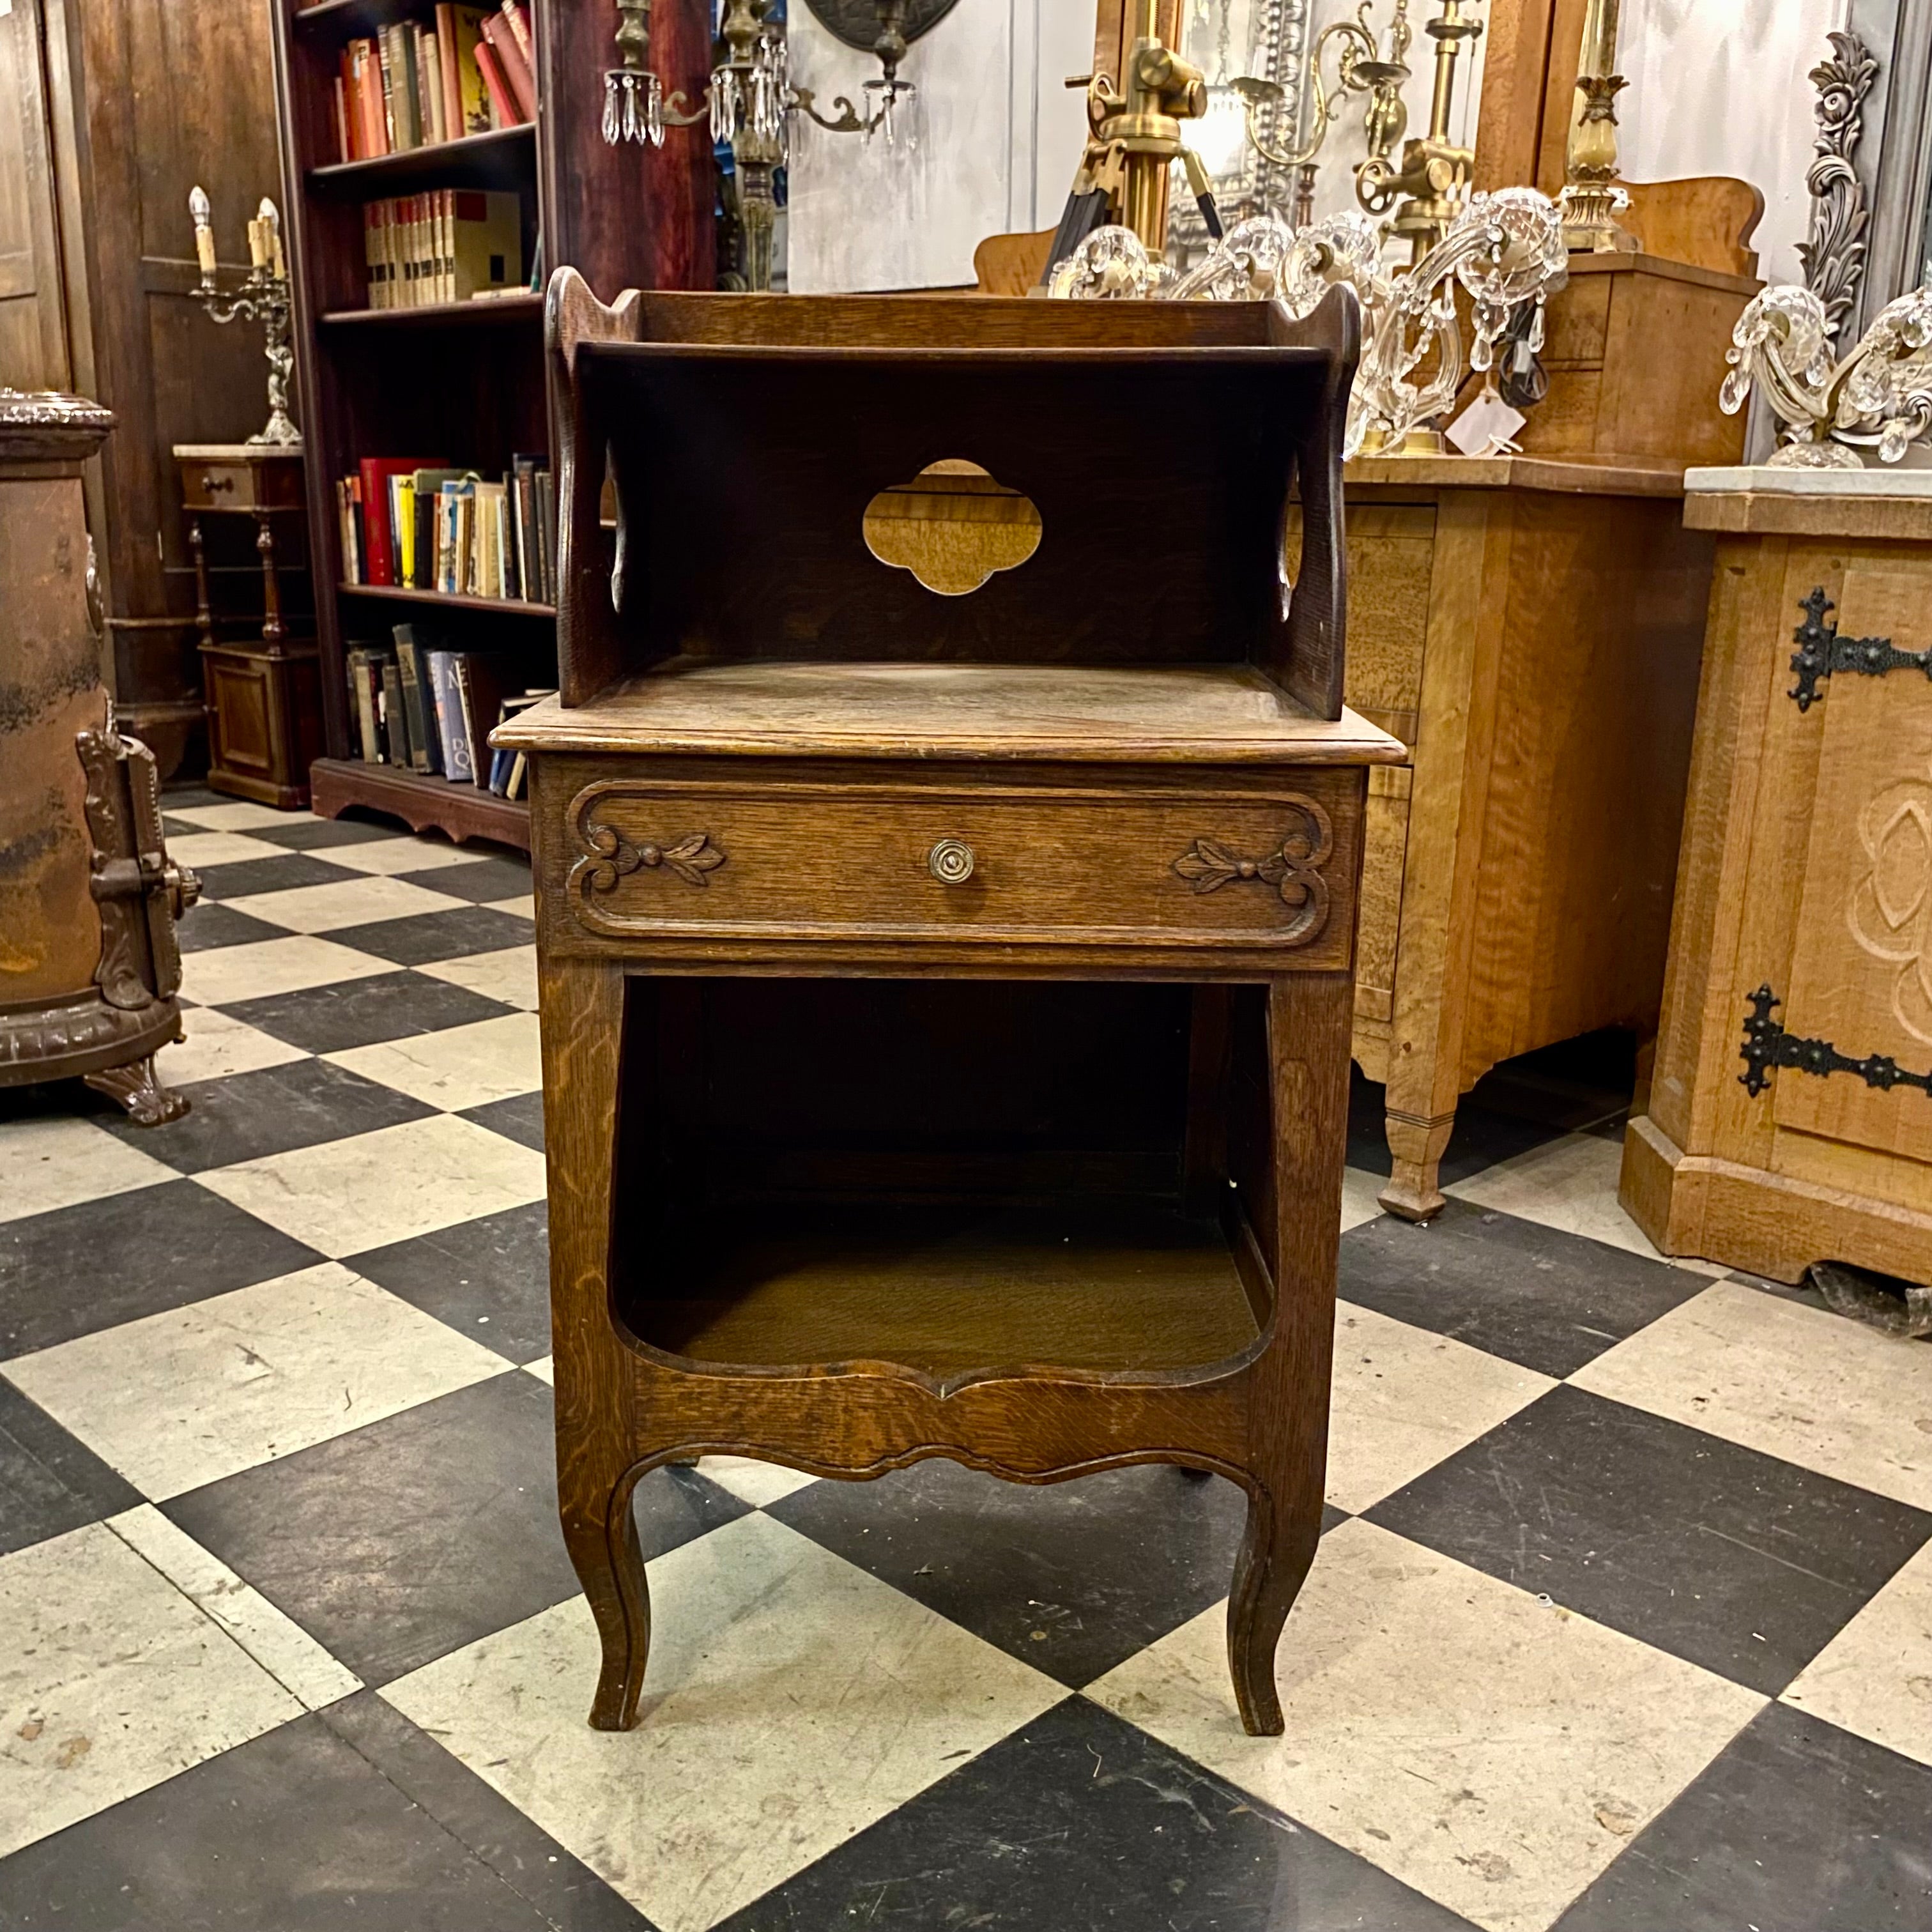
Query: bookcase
pixel 464 381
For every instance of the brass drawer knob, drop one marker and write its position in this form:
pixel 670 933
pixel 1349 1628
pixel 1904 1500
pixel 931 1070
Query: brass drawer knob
pixel 951 862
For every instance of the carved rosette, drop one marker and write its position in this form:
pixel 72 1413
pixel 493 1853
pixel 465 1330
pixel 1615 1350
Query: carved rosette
pixel 1294 868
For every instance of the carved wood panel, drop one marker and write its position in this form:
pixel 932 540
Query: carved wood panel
pixel 1862 967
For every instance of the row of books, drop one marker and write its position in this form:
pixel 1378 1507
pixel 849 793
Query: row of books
pixel 429 709
pixel 430 527
pixel 412 85
pixel 447 244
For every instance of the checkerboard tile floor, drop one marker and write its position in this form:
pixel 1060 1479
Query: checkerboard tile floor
pixel 1623 1618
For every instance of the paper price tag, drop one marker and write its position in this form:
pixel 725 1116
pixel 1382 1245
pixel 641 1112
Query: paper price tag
pixel 1485 425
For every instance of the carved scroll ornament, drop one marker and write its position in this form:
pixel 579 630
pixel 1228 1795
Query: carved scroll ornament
pixel 1294 868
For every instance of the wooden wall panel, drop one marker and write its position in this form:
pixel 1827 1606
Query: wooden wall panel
pixel 33 331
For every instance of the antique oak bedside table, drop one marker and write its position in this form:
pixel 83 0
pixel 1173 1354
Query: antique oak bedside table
pixel 946 998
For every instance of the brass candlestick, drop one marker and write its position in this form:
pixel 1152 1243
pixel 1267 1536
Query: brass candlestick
pixel 262 297
pixel 1591 195
pixel 1430 189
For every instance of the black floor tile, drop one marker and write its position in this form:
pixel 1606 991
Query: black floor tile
pixel 305 834
pixel 189 797
pixel 210 924
pixel 294 1831
pixel 1480 1137
pixel 358 1012
pixel 1550 1301
pixel 1080 1823
pixel 490 1278
pixel 103 1262
pixel 1071 1578
pixel 248 1116
pixel 1794 1827
pixel 500 876
pixel 427 937
pixel 49 1482
pixel 573 1897
pixel 519 1118
pixel 402 1541
pixel 1737 1560
pixel 247 877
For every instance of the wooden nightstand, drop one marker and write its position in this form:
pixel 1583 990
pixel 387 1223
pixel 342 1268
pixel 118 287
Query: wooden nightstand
pixel 263 695
pixel 947 999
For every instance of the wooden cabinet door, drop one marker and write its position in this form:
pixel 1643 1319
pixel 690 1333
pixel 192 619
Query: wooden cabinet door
pixel 1862 966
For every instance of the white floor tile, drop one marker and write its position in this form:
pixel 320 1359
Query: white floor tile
pixel 509 976
pixel 401 855
pixel 227 975
pixel 752 1481
pixel 214 1044
pixel 1814 1388
pixel 198 849
pixel 1359 1190
pixel 47 1164
pixel 792 1699
pixel 237 815
pixel 1875 1676
pixel 279 1644
pixel 1569 1184
pixel 543 1369
pixel 457 1066
pixel 524 907
pixel 347 1196
pixel 345 902
pixel 111 1680
pixel 1404 1398
pixel 1493 1751
pixel 191 1395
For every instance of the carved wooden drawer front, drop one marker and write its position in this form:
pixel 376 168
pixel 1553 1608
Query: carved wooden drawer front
pixel 1011 864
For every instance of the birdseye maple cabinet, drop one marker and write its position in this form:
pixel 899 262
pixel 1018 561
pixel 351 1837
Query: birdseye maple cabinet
pixel 946 993
pixel 1789 1117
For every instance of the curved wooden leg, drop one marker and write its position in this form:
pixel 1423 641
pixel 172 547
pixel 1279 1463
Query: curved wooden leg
pixel 1275 1557
pixel 601 1533
pixel 1416 1147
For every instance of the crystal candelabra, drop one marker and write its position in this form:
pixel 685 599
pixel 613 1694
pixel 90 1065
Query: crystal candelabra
pixel 1878 396
pixel 1505 250
pixel 747 102
pixel 263 297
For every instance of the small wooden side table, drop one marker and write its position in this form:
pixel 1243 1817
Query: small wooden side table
pixel 263 694
pixel 1789 1117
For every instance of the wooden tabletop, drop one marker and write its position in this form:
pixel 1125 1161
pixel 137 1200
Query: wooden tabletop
pixel 1556 473
pixel 1113 714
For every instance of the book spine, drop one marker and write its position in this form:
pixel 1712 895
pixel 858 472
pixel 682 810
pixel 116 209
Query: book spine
pixel 478 751
pixel 514 68
pixel 502 103
pixel 520 25
pixel 500 762
pixel 386 86
pixel 519 770
pixel 339 107
pixel 395 720
pixel 365 707
pixel 546 533
pixel 456 764
pixel 375 525
pixel 429 85
pixel 425 753
pixel 447 55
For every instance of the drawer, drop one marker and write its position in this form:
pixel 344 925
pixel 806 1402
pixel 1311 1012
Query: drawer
pixel 217 485
pixel 1143 871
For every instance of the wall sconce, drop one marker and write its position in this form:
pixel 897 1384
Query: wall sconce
pixel 748 102
pixel 262 297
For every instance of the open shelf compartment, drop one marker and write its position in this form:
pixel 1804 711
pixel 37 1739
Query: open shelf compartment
pixel 947 1176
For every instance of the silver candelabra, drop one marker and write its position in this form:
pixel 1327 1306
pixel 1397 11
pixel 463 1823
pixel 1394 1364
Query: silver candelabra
pixel 263 297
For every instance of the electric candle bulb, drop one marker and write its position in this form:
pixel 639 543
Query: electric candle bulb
pixel 199 211
pixel 258 252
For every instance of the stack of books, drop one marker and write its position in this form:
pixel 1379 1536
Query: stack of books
pixel 427 525
pixel 412 85
pixel 447 245
pixel 426 709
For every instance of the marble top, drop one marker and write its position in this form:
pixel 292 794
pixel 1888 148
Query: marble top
pixel 1763 479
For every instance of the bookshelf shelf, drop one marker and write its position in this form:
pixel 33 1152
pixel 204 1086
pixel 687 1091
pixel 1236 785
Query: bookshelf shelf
pixel 508 607
pixel 464 383
pixel 496 311
pixel 500 158
pixel 424 804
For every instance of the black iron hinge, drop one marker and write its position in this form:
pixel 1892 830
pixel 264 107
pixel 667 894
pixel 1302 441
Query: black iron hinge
pixel 1821 651
pixel 1767 1046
